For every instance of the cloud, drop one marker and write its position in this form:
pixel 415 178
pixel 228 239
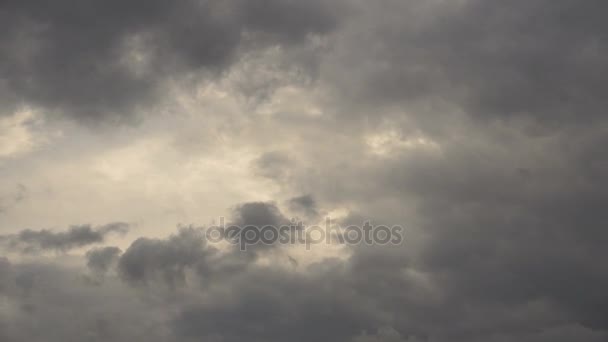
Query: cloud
pixel 476 126
pixel 101 259
pixel 29 241
pixel 304 204
pixel 16 135
pixel 272 164
pixel 111 58
pixel 168 262
pixel 19 194
pixel 258 214
pixel 429 61
pixel 344 300
pixel 153 260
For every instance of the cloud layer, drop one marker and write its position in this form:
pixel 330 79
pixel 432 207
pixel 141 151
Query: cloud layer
pixel 478 126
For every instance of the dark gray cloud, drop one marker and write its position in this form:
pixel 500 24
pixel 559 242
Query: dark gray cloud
pixel 4 274
pixel 101 259
pixel 47 240
pixel 538 61
pixel 102 60
pixel 505 215
pixel 304 205
pixel 341 300
pixel 269 305
pixel 148 261
pixel 49 302
pixel 506 235
pixel 253 217
pixel 258 214
pixel 455 292
pixel 168 262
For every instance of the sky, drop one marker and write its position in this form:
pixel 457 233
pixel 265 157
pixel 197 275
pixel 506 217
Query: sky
pixel 129 129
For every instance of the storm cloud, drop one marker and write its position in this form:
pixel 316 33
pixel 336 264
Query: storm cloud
pixel 478 126
pixel 102 60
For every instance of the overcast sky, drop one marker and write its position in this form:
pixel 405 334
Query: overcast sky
pixel 127 128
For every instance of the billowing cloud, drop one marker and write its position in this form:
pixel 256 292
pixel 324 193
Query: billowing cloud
pixel 477 126
pixel 165 260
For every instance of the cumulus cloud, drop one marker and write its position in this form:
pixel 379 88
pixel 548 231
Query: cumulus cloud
pixel 150 260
